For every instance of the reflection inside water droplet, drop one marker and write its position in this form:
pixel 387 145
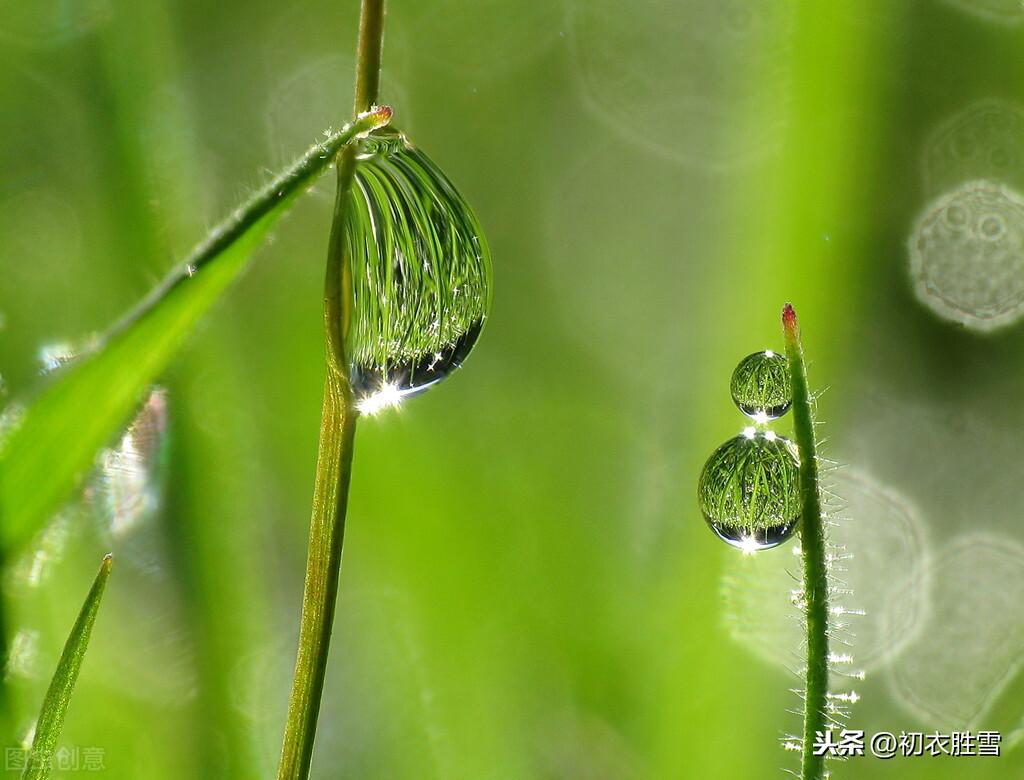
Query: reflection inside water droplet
pixel 756 540
pixel 378 388
pixel 749 491
pixel 381 144
pixel 760 386
pixel 421 274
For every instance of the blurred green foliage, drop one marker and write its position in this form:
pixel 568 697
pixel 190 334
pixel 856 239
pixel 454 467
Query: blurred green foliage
pixel 528 587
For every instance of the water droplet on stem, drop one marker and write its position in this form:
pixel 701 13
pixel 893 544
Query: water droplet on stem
pixel 761 386
pixel 421 274
pixel 749 491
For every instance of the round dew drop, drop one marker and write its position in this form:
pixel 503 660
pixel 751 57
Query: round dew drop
pixel 749 490
pixel 421 274
pixel 761 386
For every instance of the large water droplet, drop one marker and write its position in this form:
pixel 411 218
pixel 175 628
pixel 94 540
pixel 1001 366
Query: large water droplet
pixel 421 274
pixel 965 256
pixel 761 386
pixel 749 490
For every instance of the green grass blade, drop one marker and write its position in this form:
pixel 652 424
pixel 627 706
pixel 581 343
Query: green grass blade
pixel 54 446
pixel 58 695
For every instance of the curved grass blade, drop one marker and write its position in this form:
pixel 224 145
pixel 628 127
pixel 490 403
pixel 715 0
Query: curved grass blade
pixel 54 446
pixel 58 696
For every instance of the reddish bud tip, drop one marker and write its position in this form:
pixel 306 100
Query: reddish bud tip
pixel 384 114
pixel 789 323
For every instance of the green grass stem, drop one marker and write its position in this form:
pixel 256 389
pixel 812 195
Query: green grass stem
pixel 337 435
pixel 812 542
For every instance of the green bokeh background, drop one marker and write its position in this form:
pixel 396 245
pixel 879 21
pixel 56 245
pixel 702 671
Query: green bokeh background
pixel 528 588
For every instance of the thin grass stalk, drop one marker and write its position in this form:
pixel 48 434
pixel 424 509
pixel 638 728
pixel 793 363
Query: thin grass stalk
pixel 337 437
pixel 812 543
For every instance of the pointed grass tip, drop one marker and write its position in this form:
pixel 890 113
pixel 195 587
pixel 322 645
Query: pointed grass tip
pixel 789 323
pixel 108 562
